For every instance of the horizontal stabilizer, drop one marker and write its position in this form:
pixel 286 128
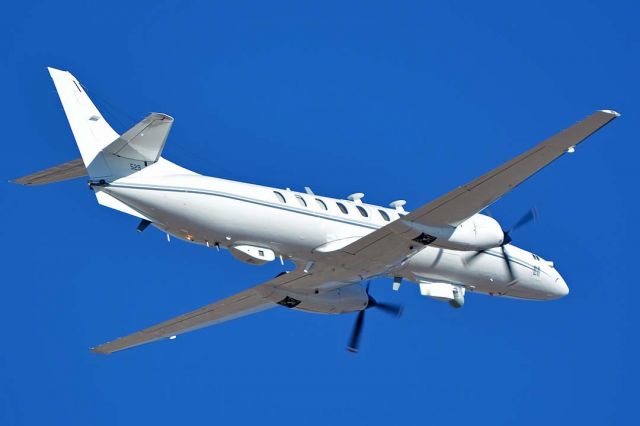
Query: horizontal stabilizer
pixel 61 172
pixel 144 141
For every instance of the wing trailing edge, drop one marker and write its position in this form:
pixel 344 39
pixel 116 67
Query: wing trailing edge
pixel 65 171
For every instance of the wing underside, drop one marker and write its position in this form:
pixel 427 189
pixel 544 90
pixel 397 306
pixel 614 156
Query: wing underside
pixel 247 302
pixel 391 244
pixel 383 249
pixel 460 204
pixel 61 172
pixel 241 304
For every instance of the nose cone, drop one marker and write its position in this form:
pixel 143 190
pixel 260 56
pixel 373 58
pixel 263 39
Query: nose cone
pixel 560 288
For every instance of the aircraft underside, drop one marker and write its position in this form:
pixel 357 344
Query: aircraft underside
pixel 337 245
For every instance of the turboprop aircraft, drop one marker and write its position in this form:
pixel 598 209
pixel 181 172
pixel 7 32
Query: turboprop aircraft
pixel 445 246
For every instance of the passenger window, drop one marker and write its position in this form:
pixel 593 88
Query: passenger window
pixel 342 208
pixel 362 211
pixel 280 197
pixel 321 203
pixel 384 215
pixel 301 200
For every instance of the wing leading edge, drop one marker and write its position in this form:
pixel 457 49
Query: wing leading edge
pixel 241 304
pixel 247 302
pixel 395 242
pixel 61 172
pixel 460 204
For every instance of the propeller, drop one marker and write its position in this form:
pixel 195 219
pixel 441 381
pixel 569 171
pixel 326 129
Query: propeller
pixel 389 308
pixel 529 216
pixel 507 262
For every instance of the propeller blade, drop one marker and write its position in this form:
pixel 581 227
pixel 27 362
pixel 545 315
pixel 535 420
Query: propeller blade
pixel 530 216
pixel 508 263
pixel 355 335
pixel 390 308
pixel 473 257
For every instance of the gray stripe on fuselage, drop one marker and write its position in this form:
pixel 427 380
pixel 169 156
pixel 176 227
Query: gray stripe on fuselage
pixel 286 208
pixel 245 199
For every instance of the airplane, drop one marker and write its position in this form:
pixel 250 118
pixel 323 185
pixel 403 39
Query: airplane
pixel 446 247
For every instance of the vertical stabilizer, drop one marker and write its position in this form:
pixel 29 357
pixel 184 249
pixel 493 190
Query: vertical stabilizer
pixel 91 131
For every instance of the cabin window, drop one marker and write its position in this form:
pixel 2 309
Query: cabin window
pixel 321 203
pixel 342 208
pixel 362 211
pixel 301 200
pixel 384 215
pixel 280 197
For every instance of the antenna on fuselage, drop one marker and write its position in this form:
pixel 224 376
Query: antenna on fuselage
pixel 398 205
pixel 356 198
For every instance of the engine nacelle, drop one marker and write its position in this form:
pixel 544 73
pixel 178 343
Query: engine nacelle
pixel 340 300
pixel 479 232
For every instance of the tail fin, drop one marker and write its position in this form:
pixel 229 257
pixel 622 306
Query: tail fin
pixel 106 154
pixel 90 129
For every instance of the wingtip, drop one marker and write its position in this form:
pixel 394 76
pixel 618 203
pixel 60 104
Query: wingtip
pixel 610 111
pixel 97 350
pixel 56 72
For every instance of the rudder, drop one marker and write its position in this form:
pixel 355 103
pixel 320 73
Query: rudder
pixel 90 130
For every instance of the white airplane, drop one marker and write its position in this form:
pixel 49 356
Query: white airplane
pixel 445 246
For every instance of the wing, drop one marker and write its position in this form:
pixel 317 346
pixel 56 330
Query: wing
pixel 70 170
pixel 250 301
pixel 458 205
pixel 390 245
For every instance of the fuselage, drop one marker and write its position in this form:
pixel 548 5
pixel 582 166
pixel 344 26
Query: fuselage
pixel 303 226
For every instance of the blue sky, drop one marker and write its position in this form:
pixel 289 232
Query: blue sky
pixel 395 100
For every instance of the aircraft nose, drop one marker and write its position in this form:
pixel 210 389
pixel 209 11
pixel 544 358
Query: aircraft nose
pixel 561 289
